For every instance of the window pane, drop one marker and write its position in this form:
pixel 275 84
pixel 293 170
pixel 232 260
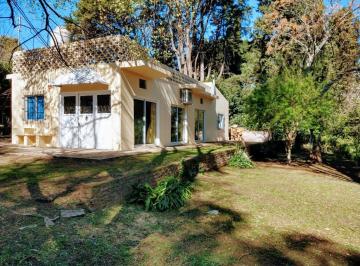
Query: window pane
pixel 69 104
pixel 31 105
pixel 177 121
pixel 103 102
pixel 142 84
pixel 40 107
pixel 199 125
pixel 221 121
pixel 86 104
pixel 173 124
pixel 139 121
pixel 150 122
pixel 180 124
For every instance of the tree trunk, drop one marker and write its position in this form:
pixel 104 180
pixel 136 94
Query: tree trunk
pixel 208 76
pixel 202 74
pixel 315 155
pixel 289 143
pixel 288 149
pixel 221 71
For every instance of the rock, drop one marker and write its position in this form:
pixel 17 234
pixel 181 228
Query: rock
pixel 28 226
pixel 72 213
pixel 48 222
pixel 213 212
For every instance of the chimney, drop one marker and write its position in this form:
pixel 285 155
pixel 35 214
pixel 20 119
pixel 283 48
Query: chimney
pixel 61 35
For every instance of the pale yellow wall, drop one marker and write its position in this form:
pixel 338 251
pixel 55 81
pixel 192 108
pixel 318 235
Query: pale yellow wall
pixel 124 88
pixel 166 94
pixel 38 84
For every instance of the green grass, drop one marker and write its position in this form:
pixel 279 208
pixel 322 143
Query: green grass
pixel 269 215
pixel 124 166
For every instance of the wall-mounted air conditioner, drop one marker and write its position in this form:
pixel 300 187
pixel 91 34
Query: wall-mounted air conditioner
pixel 186 96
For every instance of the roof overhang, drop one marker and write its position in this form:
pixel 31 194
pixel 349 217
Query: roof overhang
pixel 79 76
pixel 198 89
pixel 145 69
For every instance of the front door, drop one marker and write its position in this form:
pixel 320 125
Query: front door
pixel 86 121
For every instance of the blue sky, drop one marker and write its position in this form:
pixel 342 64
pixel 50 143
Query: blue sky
pixel 36 20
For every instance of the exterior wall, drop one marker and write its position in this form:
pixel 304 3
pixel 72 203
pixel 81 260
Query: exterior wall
pixel 166 94
pixel 49 129
pixel 124 88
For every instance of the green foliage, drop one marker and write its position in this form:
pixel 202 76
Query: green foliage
pixel 289 103
pixel 169 194
pixel 285 102
pixel 343 136
pixel 241 159
pixel 233 90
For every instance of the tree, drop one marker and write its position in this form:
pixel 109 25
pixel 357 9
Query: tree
pixel 317 39
pixel 307 32
pixel 285 105
pixel 187 34
pixel 6 47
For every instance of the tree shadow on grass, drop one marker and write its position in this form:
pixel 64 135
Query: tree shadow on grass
pixel 218 240
pixel 338 168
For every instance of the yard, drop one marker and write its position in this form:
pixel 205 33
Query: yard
pixel 273 214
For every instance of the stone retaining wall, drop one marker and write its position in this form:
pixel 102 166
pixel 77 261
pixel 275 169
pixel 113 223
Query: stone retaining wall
pixel 194 165
pixel 119 188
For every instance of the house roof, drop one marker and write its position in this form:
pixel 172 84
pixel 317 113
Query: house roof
pixel 146 69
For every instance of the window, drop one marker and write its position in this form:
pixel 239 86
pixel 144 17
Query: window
pixel 186 96
pixel 142 84
pixel 35 107
pixel 103 104
pixel 69 105
pixel 201 101
pixel 221 121
pixel 86 104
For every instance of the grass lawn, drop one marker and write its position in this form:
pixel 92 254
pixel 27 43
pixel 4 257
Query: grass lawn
pixel 269 215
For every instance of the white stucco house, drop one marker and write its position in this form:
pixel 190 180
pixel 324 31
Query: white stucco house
pixel 106 93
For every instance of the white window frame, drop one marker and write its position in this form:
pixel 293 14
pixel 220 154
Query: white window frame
pixel 220 122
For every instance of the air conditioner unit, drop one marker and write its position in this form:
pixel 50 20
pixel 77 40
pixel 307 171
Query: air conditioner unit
pixel 186 96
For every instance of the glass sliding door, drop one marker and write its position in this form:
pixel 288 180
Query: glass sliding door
pixel 199 125
pixel 144 122
pixel 150 122
pixel 139 120
pixel 177 124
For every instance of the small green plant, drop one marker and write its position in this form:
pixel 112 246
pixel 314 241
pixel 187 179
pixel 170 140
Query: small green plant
pixel 170 193
pixel 241 159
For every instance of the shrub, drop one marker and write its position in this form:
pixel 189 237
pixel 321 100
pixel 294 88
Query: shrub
pixel 170 193
pixel 241 159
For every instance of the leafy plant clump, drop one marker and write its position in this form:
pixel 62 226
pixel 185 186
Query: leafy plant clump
pixel 241 159
pixel 169 194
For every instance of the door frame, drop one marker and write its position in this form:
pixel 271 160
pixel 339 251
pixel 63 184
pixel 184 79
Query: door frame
pixel 157 122
pixel 77 94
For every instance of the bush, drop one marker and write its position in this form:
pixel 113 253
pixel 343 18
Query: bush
pixel 241 159
pixel 170 193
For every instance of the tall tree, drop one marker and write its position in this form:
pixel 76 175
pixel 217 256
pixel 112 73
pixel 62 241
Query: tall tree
pixel 315 38
pixel 7 45
pixel 286 104
pixel 177 31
